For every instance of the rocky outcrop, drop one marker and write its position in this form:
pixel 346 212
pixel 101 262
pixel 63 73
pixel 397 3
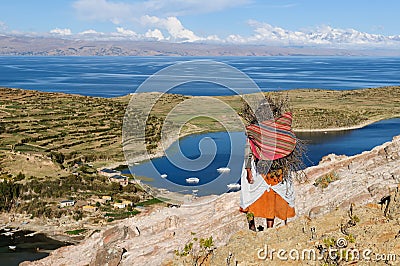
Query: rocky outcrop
pixel 149 240
pixel 362 178
pixel 152 239
pixel 110 253
pixel 372 235
pixel 392 208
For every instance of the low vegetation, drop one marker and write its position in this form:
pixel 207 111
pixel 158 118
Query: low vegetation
pixel 149 202
pixel 121 215
pixel 40 197
pixel 9 193
pixel 66 128
pixel 325 180
pixel 76 232
pixel 72 128
pixel 51 143
pixel 196 251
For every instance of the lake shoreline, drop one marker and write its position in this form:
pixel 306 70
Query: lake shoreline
pixel 24 244
pixel 38 226
pixel 331 129
pixel 319 145
pixel 54 232
pixel 160 153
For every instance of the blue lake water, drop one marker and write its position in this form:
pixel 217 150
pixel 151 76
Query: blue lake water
pixel 27 248
pixel 117 76
pixel 229 153
pixel 349 142
pixel 230 150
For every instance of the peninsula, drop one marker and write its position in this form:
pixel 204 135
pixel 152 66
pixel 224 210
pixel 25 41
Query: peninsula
pixel 53 146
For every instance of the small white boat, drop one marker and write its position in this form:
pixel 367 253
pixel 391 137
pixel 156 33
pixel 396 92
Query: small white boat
pixel 164 176
pixel 8 233
pixel 32 234
pixel 223 170
pixel 192 180
pixel 12 247
pixel 195 191
pixel 233 186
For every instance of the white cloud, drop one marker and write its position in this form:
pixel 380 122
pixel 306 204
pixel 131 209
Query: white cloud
pixel 92 34
pixel 62 32
pixel 103 10
pixel 126 32
pixel 172 30
pixel 235 38
pixel 155 34
pixel 213 38
pixel 119 11
pixel 120 33
pixel 89 32
pixel 3 26
pixel 189 7
pixel 177 31
pixel 173 26
pixel 146 20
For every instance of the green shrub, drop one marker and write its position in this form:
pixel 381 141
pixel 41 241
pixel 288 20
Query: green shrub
pixel 325 180
pixel 76 232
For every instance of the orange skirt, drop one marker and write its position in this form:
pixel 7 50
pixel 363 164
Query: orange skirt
pixel 271 204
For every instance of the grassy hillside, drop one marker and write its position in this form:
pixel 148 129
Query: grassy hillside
pixel 321 109
pixel 76 126
pixel 69 128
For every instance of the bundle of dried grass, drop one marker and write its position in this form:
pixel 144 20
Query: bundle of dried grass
pixel 272 108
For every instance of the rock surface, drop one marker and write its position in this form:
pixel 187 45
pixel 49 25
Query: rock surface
pixel 152 239
pixel 363 178
pixel 373 233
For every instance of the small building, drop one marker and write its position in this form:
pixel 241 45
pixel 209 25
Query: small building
pixel 119 205
pixel 89 208
pixel 118 178
pixel 106 198
pixel 77 164
pixel 108 172
pixel 127 202
pixel 66 203
pixel 122 180
pixel 94 200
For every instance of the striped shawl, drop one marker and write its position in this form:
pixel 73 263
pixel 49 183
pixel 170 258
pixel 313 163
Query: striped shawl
pixel 272 139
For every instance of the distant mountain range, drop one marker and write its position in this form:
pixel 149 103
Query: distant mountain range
pixel 323 36
pixel 53 46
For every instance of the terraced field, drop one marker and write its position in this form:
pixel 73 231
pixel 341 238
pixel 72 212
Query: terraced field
pixel 70 128
pixel 324 109
pixel 76 127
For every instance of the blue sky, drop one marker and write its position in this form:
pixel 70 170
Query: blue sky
pixel 236 21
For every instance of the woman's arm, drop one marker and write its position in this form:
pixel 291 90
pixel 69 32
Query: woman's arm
pixel 248 156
